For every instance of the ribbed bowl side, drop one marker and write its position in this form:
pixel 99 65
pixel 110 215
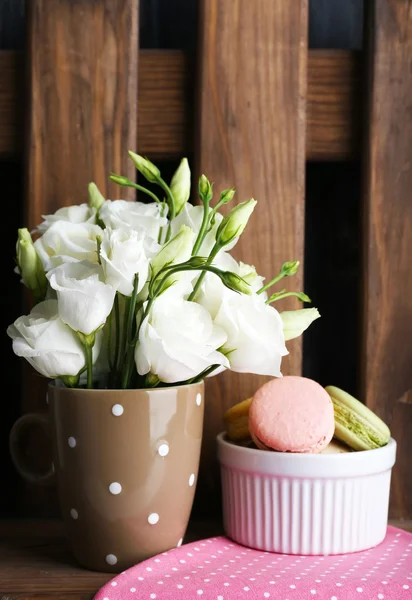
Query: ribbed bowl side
pixel 305 516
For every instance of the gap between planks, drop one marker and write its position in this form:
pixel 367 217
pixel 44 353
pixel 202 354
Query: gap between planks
pixel 165 101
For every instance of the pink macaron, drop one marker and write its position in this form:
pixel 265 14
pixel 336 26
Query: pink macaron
pixel 292 414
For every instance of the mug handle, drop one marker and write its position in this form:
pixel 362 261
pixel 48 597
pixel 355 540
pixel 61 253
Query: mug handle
pixel 22 425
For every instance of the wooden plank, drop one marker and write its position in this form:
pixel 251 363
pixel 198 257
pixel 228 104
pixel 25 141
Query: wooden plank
pixel 82 99
pixel 387 309
pixel 165 104
pixel 251 135
pixel 333 111
pixel 82 118
pixel 10 92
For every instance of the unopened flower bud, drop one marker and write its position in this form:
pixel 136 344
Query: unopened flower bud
pixel 180 185
pixel 145 167
pixel 235 222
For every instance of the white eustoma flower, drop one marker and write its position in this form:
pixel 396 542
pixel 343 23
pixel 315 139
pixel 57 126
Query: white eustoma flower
pixel 49 345
pixel 123 255
pixel 66 242
pixel 212 290
pixel 255 341
pixel 84 300
pixel 142 217
pixel 81 213
pixel 295 322
pixel 178 340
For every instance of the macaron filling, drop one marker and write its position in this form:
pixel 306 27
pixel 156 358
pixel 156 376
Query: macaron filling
pixel 358 426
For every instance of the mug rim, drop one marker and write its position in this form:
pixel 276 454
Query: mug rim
pixel 52 384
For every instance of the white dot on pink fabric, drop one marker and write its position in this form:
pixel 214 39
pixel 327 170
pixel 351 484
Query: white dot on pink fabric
pixel 405 587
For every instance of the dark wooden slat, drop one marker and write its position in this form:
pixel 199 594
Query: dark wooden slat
pixel 387 349
pixel 82 118
pixel 333 112
pixel 243 141
pixel 165 106
pixel 11 99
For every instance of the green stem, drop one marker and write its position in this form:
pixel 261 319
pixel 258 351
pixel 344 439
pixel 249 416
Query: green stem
pixel 138 187
pixel 172 208
pixel 202 231
pixel 198 283
pixel 203 374
pixel 89 361
pixel 109 339
pixel 270 283
pixel 214 211
pixel 117 324
pixel 123 342
pixel 281 296
pixel 168 232
pixel 129 334
pixel 159 237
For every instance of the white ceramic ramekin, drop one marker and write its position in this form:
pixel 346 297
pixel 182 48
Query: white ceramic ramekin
pixel 305 503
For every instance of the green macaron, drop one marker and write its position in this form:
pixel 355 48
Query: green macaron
pixel 355 424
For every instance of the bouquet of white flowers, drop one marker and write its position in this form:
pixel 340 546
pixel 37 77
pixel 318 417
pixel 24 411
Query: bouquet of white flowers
pixel 135 295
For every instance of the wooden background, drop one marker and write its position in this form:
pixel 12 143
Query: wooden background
pixel 344 271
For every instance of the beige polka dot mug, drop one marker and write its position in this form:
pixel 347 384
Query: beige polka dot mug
pixel 126 464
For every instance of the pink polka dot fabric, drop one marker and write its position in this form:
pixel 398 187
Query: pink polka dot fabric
pixel 218 569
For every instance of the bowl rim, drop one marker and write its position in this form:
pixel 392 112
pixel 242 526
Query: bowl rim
pixel 312 466
pixel 305 455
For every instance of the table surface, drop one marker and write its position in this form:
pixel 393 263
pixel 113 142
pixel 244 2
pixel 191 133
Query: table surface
pixel 36 565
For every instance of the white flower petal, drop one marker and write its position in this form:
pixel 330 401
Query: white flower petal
pixel 84 300
pixel 49 345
